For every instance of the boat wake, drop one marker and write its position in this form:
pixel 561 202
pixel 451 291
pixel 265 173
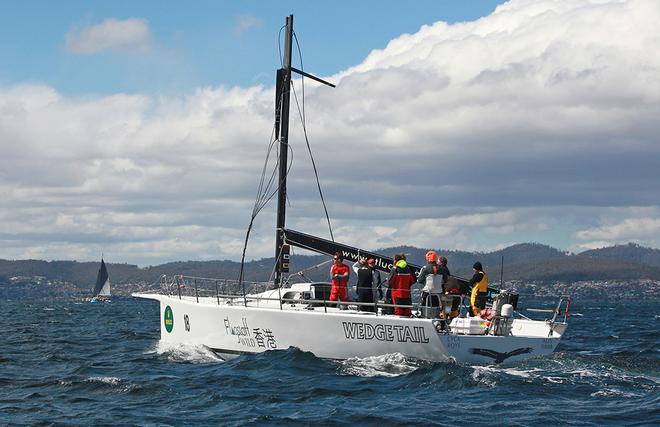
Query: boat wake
pixel 494 376
pixel 176 352
pixel 387 365
pixel 600 374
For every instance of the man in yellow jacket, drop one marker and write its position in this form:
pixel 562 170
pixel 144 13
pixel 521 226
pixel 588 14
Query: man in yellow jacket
pixel 479 283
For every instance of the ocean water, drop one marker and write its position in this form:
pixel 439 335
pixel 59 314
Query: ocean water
pixel 68 362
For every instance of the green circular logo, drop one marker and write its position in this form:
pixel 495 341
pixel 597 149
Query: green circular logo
pixel 168 319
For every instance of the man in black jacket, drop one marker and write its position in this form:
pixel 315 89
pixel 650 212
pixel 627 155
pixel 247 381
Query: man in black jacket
pixel 365 284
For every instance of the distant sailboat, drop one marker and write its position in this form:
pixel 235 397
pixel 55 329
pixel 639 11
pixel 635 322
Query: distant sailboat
pixel 102 286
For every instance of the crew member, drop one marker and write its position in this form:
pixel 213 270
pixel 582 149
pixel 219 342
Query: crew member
pixel 377 281
pixel 432 278
pixel 365 284
pixel 479 283
pixel 451 288
pixel 400 280
pixel 339 273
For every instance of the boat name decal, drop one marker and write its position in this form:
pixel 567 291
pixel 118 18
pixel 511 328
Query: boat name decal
pixel 255 337
pixel 381 332
pixel 500 357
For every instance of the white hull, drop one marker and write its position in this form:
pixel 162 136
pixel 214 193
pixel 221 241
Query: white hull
pixel 339 334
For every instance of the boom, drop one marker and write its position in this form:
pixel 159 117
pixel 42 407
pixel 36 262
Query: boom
pixel 328 247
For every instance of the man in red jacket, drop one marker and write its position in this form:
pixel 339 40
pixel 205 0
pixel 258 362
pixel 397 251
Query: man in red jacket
pixel 339 273
pixel 400 280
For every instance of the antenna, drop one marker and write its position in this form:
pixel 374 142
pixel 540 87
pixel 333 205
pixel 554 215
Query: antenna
pixel 502 273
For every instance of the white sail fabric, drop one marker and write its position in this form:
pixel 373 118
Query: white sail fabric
pixel 105 290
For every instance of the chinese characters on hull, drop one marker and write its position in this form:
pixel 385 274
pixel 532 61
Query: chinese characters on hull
pixel 251 337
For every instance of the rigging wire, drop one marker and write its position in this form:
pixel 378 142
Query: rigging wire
pixel 267 189
pixel 302 272
pixel 304 126
pixel 265 192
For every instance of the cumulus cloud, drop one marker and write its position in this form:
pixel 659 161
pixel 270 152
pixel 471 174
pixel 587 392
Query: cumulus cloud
pixel 637 228
pixel 639 225
pixel 536 123
pixel 130 34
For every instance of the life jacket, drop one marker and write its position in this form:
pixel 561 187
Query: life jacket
pixel 433 280
pixel 482 285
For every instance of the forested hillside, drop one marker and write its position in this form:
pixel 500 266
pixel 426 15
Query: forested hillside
pixel 627 253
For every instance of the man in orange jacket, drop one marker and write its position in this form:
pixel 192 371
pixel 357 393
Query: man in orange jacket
pixel 339 273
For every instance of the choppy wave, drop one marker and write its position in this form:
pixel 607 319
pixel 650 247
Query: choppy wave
pixel 185 353
pixel 60 365
pixel 387 365
pixel 104 380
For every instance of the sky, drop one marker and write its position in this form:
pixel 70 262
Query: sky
pixel 139 130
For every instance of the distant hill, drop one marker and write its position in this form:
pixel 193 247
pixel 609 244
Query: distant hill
pixel 576 268
pixel 71 271
pixel 527 261
pixel 516 254
pixel 627 253
pixel 84 273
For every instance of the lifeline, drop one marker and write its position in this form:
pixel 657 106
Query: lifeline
pixel 380 332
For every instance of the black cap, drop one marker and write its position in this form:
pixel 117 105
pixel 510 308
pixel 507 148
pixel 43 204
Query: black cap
pixel 477 266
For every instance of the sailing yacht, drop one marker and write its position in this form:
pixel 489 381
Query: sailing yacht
pixel 102 286
pixel 232 316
